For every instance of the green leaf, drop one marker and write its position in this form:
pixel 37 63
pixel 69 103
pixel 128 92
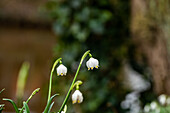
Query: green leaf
pixel 22 79
pixel 13 103
pixel 1 107
pixel 49 104
pixel 2 90
pixel 50 107
pixel 26 107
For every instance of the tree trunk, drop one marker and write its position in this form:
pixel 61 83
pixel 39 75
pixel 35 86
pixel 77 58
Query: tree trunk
pixel 149 31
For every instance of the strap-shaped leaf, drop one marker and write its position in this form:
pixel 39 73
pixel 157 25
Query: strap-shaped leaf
pixel 50 107
pixel 49 104
pixel 26 107
pixel 1 107
pixel 13 103
pixel 2 90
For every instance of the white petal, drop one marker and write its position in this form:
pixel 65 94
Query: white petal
pixel 80 99
pixel 91 64
pixel 96 62
pixel 74 97
pixel 58 71
pixel 87 64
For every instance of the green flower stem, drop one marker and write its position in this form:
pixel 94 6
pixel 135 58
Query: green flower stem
pixel 77 84
pixel 90 55
pixel 33 93
pixel 70 89
pixel 51 76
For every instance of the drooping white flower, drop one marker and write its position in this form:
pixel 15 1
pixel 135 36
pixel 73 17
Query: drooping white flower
pixel 77 97
pixel 162 99
pixel 61 70
pixel 91 63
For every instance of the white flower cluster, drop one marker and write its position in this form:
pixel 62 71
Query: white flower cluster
pixel 91 63
pixel 77 96
pixel 132 102
pixel 153 106
pixel 163 100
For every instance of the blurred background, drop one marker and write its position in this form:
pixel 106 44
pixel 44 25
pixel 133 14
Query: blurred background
pixel 130 38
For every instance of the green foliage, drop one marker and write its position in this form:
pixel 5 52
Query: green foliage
pixel 13 103
pixel 2 90
pixel 1 107
pixel 22 78
pixel 50 107
pixel 103 27
pixel 160 106
pixel 26 108
pixel 33 93
pixel 160 109
pixel 49 104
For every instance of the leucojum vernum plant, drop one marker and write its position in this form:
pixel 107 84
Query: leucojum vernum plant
pixel 77 96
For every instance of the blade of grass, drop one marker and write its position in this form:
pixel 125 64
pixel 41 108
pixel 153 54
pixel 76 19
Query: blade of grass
pixel 49 103
pixel 13 103
pixel 22 77
pixel 26 107
pixel 50 107
pixel 2 107
pixel 2 90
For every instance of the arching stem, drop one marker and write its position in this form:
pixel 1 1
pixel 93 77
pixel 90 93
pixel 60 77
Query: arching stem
pixel 70 89
pixel 51 76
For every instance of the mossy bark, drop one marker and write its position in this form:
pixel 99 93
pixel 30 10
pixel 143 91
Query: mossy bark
pixel 150 28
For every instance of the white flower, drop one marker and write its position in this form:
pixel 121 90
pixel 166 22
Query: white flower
pixel 62 112
pixel 162 99
pixel 77 97
pixel 153 105
pixel 61 70
pixel 91 63
pixel 147 108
